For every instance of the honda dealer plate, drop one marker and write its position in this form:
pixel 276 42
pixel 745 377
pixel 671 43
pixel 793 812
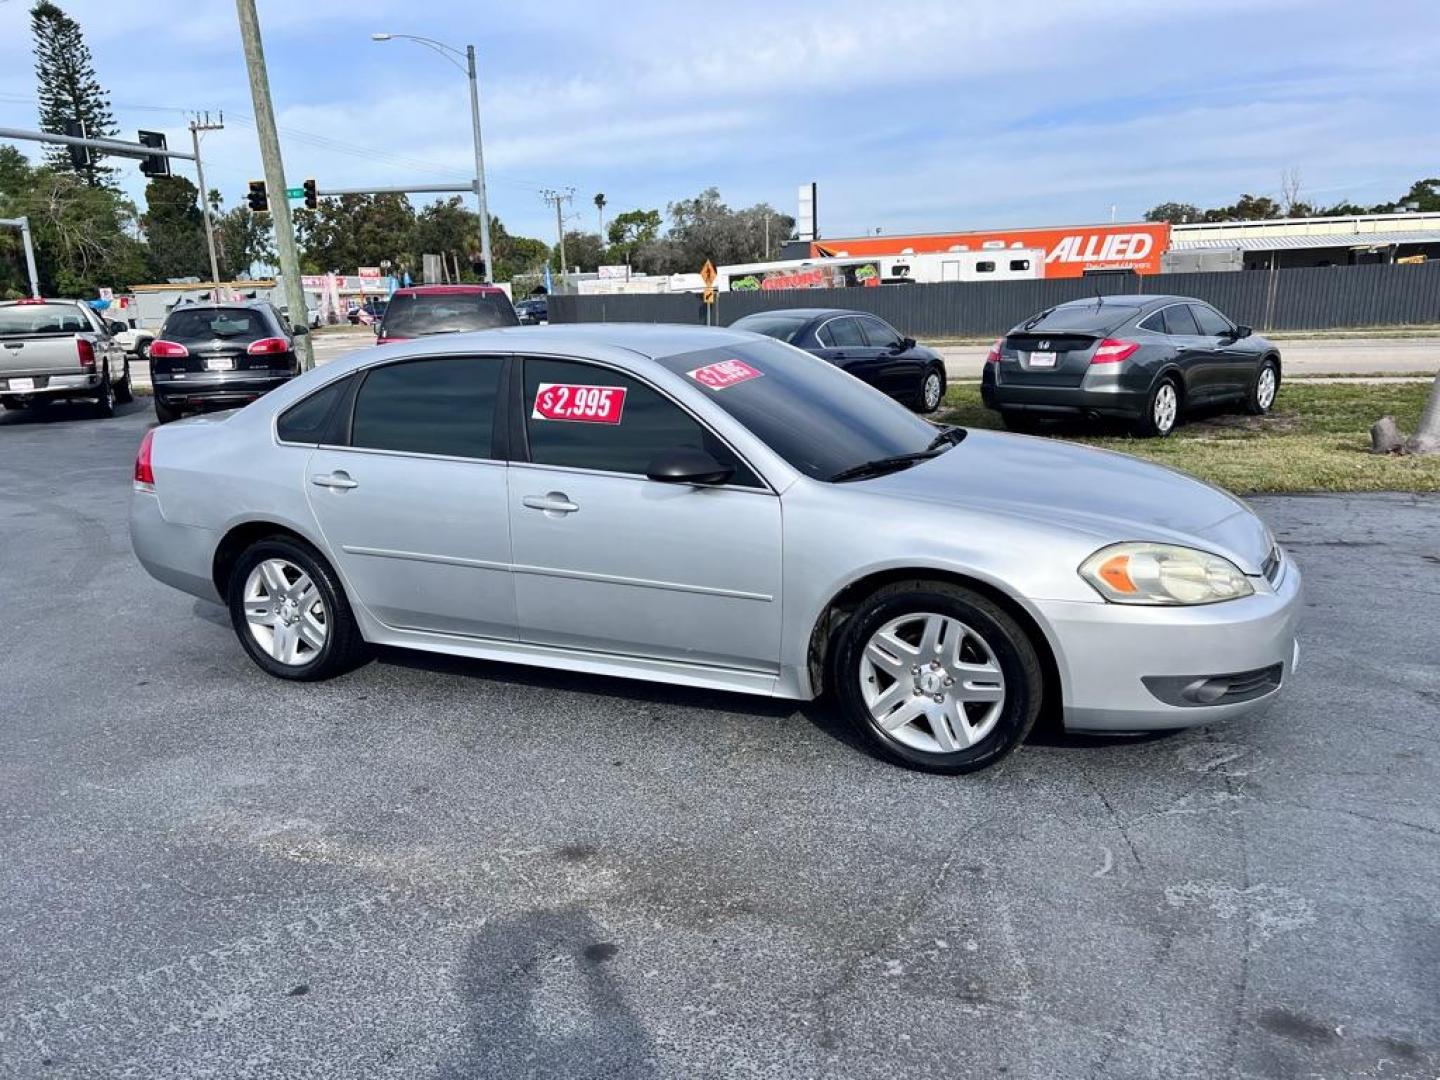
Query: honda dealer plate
pixel 1042 359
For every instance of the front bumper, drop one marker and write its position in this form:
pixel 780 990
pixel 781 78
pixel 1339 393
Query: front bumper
pixel 1108 652
pixel 195 391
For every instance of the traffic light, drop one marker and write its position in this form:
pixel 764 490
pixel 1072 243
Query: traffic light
pixel 258 200
pixel 312 197
pixel 79 155
pixel 155 164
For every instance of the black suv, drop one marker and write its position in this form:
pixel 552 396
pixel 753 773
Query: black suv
pixel 223 355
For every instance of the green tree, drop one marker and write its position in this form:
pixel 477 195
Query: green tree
pixel 583 249
pixel 351 231
pixel 631 231
pixel 516 256
pixel 1176 213
pixel 175 229
pixel 68 89
pixel 448 228
pixel 705 228
pixel 242 239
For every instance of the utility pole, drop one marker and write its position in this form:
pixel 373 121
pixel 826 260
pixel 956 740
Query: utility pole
pixel 479 165
pixel 197 126
pixel 558 197
pixel 274 172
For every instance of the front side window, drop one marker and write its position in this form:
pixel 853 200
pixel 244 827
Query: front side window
pixel 880 335
pixel 1211 322
pixel 441 406
pixel 583 416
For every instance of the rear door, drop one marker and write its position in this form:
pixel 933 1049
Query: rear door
pixel 413 504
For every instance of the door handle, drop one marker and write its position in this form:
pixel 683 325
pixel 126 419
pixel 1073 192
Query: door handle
pixel 555 502
pixel 338 479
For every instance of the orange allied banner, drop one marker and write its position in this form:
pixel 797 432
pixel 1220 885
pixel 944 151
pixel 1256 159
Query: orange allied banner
pixel 1069 251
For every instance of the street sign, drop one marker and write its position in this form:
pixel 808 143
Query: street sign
pixel 709 295
pixel 294 193
pixel 107 294
pixel 707 273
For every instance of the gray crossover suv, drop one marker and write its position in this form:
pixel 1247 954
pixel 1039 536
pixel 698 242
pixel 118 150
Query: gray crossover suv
pixel 716 509
pixel 1145 359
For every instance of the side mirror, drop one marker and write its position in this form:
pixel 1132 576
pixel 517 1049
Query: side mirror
pixel 907 343
pixel 1243 332
pixel 299 331
pixel 686 465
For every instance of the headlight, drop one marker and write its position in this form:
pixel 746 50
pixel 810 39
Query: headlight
pixel 1139 573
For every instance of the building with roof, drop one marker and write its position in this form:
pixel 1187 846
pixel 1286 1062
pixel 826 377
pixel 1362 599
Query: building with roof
pixel 1282 243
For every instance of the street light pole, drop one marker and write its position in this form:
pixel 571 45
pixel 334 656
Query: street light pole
pixel 453 54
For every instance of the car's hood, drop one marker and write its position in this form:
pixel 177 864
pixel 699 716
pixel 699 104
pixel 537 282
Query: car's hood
pixel 1111 496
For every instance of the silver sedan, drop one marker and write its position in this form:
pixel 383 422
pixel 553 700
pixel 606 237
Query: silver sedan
pixel 717 509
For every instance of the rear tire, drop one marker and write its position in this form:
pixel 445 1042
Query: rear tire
pixel 1162 410
pixel 335 648
pixel 1263 389
pixel 124 394
pixel 10 405
pixel 982 680
pixel 105 403
pixel 164 414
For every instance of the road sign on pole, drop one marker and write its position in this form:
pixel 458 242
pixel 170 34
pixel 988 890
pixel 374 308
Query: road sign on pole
pixel 709 295
pixel 294 192
pixel 707 274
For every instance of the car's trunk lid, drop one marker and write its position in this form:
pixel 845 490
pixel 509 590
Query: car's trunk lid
pixel 1040 359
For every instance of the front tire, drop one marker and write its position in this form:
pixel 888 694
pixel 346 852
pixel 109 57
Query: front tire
pixel 1162 410
pixel 936 677
pixel 932 390
pixel 290 612
pixel 1263 389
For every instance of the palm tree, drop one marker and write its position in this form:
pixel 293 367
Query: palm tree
pixel 600 212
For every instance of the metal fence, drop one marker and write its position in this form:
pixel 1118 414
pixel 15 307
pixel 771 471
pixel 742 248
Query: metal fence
pixel 1313 298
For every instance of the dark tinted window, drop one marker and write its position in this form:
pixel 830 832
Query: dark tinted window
pixel 441 406
pixel 410 315
pixel 879 333
pixel 838 333
pixel 1178 320
pixel 205 323
pixel 308 420
pixel 648 423
pixel 1019 264
pixel 986 267
pixel 779 327
pixel 1211 322
pixel 1154 323
pixel 1087 317
pixel 43 319
pixel 809 412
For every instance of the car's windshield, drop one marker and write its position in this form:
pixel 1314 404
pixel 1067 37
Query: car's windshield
pixel 446 313
pixel 1087 318
pixel 779 327
pixel 43 319
pixel 202 324
pixel 819 419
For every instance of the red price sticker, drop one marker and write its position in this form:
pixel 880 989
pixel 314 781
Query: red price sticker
pixel 583 404
pixel 725 373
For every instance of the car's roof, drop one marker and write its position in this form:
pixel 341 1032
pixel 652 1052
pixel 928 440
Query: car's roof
pixel 442 290
pixel 1134 300
pixel 807 312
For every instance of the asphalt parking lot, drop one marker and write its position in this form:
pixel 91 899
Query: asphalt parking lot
pixel 439 868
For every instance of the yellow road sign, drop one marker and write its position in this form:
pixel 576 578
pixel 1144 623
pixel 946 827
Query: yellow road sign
pixel 707 273
pixel 709 295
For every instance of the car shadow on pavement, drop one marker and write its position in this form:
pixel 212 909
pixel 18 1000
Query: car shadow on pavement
pixel 66 412
pixel 544 1002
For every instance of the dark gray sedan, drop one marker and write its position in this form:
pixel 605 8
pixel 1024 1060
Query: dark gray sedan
pixel 862 344
pixel 1146 359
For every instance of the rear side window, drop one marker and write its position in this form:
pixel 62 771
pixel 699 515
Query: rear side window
pixel 206 323
pixel 442 406
pixel 587 417
pixel 309 420
pixel 1178 320
pixel 838 333
pixel 411 315
pixel 1211 322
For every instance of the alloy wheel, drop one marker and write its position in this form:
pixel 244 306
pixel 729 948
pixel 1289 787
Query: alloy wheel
pixel 1166 407
pixel 932 391
pixel 285 613
pixel 1265 388
pixel 932 683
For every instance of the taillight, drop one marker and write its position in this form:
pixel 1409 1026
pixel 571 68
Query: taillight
pixel 993 356
pixel 144 474
pixel 86 351
pixel 161 349
pixel 1112 351
pixel 268 345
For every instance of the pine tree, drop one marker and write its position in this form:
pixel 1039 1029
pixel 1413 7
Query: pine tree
pixel 68 89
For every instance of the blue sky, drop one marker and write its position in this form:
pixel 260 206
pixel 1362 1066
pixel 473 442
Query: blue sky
pixel 918 115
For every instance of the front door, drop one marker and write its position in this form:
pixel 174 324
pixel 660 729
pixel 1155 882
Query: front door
pixel 610 561
pixel 414 508
pixel 1194 353
pixel 897 369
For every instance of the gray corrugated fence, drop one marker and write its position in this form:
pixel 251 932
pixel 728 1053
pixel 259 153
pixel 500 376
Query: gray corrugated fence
pixel 1313 298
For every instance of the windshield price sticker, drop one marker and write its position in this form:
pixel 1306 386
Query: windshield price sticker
pixel 579 404
pixel 725 373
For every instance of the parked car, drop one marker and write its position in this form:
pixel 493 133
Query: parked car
pixel 714 509
pixel 864 345
pixel 52 350
pixel 133 339
pixel 533 311
pixel 420 310
pixel 224 355
pixel 1145 359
